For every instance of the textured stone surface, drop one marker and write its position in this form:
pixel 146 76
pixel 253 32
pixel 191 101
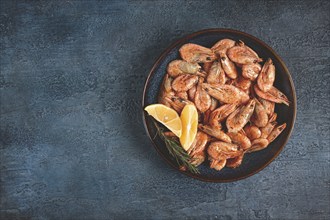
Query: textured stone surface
pixel 72 142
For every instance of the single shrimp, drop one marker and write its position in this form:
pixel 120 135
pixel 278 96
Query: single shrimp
pixel 265 131
pixel 216 74
pixel 194 53
pixel 179 67
pixel 276 132
pixel 206 118
pixel 177 103
pixel 202 99
pixel 214 123
pixel 235 162
pixel 167 83
pixel 252 132
pixel 165 90
pixel 268 105
pixel 223 45
pixel 163 98
pixel 266 77
pixel 217 133
pixel 259 117
pixel 228 66
pixel 242 83
pixel 220 150
pixel 198 159
pixel 184 82
pixel 238 119
pixel 273 117
pixel 251 71
pixel 192 92
pixel 243 54
pixel 258 144
pixel 217 164
pixel 241 43
pixel 219 114
pixel 240 139
pixel 278 94
pixel 226 93
pixel 199 143
pixel 273 95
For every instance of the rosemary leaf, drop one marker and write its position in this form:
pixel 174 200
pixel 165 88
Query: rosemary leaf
pixel 174 148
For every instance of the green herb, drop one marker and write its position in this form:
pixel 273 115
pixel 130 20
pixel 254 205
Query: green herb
pixel 175 149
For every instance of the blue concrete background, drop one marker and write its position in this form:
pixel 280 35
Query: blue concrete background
pixel 72 142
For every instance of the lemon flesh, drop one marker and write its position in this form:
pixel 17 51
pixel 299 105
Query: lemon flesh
pixel 167 116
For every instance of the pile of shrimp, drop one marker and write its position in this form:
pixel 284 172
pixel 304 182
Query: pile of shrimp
pixel 232 89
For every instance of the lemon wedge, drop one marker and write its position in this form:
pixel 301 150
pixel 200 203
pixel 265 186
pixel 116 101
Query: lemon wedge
pixel 189 120
pixel 166 116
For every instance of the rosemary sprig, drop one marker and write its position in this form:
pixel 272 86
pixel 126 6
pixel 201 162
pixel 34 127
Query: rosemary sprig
pixel 175 149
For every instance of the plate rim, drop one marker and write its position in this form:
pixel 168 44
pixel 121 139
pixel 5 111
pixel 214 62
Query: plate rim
pixel 185 38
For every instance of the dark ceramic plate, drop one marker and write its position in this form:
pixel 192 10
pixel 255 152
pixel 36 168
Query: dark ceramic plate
pixel 253 162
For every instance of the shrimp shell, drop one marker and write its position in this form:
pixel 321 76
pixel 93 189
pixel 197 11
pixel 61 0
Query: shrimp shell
pixel 165 91
pixel 259 117
pixel 238 119
pixel 273 95
pixel 228 66
pixel 198 159
pixel 235 162
pixel 226 93
pixel 258 144
pixel 202 99
pixel 183 95
pixel 184 82
pixel 273 117
pixel 219 114
pixel 243 54
pixel 167 83
pixel 240 139
pixel 192 92
pixel 268 105
pixel 164 98
pixel 206 117
pixel 221 150
pixel 216 74
pixel 251 71
pixel 266 77
pixel 223 45
pixel 199 143
pixel 178 67
pixel 276 132
pixel 217 133
pixel 252 132
pixel 194 53
pixel 242 83
pixel 177 103
pixel 214 104
pixel 217 164
pixel 265 131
